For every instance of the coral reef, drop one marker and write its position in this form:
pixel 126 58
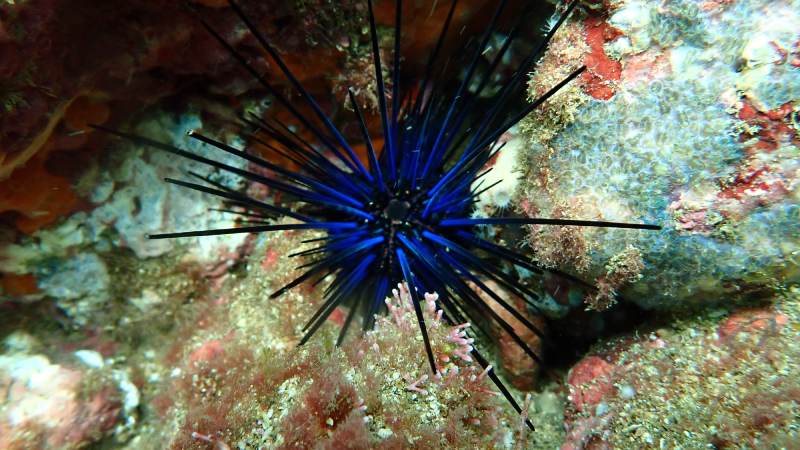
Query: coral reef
pixel 247 387
pixel 378 392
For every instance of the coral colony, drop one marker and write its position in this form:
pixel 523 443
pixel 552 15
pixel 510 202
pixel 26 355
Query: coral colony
pixel 406 212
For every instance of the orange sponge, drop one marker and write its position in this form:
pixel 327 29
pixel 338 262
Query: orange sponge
pixel 40 197
pixel 18 285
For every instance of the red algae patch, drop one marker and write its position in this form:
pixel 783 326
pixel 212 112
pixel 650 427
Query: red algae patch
pixel 589 382
pixel 602 72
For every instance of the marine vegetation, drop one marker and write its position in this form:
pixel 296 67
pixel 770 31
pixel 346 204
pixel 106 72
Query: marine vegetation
pixel 404 210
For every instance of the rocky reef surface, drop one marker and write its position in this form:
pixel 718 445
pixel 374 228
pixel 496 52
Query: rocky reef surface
pixel 687 116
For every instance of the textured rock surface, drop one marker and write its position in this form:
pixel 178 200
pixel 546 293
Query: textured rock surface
pixel 726 380
pixel 132 200
pixel 246 386
pixel 687 134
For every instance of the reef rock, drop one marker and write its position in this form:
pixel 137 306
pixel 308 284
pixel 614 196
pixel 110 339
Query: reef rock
pixel 726 380
pixel 67 262
pixel 686 117
pixel 51 406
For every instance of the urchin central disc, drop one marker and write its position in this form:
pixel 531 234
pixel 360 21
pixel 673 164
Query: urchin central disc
pixel 397 209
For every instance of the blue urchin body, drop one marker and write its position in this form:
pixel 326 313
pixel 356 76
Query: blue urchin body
pixel 406 213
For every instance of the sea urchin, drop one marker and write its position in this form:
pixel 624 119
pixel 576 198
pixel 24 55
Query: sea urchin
pixel 406 212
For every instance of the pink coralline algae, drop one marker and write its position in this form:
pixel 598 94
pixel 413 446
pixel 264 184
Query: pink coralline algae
pixel 50 406
pixel 459 404
pixel 589 382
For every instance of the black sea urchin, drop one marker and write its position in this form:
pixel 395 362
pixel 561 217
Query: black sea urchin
pixel 406 213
